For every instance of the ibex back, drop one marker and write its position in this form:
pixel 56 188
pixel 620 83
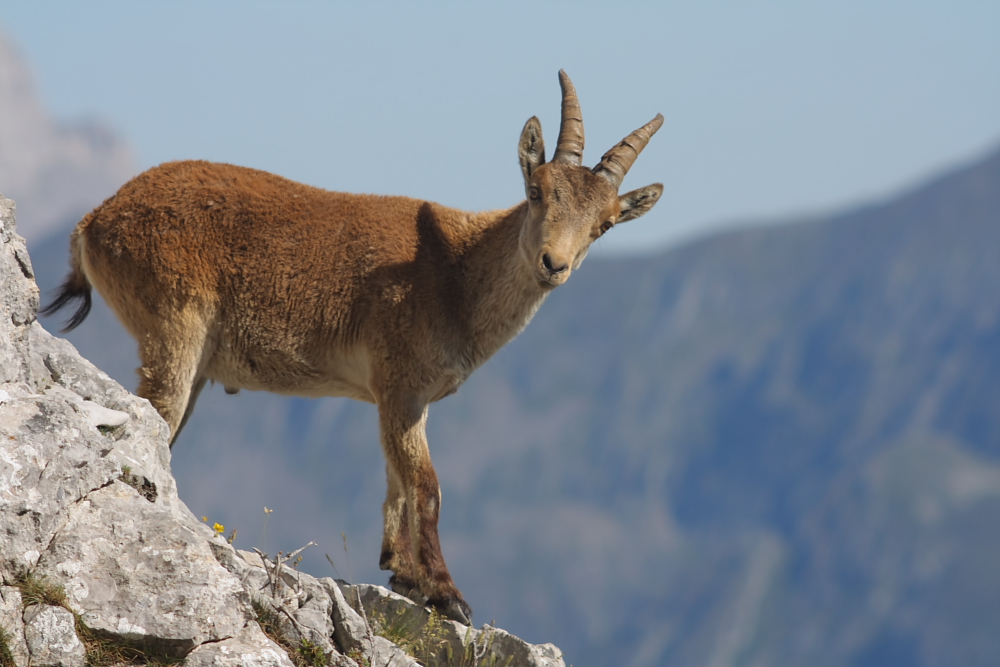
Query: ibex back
pixel 245 278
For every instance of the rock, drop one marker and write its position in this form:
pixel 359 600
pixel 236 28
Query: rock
pixel 11 620
pixel 18 297
pixel 49 461
pixel 51 637
pixel 486 644
pixel 350 629
pixel 132 571
pixel 249 648
pixel 313 618
pixel 142 444
pixel 381 651
pixel 491 644
pixel 305 599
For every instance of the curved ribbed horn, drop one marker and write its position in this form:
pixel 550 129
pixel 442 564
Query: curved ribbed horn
pixel 617 161
pixel 570 146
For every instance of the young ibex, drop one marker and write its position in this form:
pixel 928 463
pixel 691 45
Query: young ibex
pixel 245 278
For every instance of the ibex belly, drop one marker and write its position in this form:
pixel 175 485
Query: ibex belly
pixel 343 373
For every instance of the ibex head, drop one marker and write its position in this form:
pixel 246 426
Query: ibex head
pixel 570 206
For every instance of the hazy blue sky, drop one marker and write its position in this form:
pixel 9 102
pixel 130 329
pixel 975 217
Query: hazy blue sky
pixel 772 108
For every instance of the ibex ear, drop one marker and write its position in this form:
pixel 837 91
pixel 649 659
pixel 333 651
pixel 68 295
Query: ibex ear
pixel 638 202
pixel 531 148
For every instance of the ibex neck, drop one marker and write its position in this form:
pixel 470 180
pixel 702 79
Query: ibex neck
pixel 499 284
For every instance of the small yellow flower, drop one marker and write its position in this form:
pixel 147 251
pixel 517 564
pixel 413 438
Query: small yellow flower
pixel 219 528
pixel 205 519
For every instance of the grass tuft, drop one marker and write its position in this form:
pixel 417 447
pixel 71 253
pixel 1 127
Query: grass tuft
pixel 6 657
pixel 109 651
pixel 102 650
pixel 427 641
pixel 302 654
pixel 424 641
pixel 37 589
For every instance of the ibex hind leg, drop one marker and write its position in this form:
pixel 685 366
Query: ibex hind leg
pixel 397 553
pixel 172 374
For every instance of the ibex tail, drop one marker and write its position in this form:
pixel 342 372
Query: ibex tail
pixel 76 286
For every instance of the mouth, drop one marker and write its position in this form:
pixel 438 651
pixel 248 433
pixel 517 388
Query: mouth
pixel 547 281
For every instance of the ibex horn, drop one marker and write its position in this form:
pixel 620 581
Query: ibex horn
pixel 570 146
pixel 617 161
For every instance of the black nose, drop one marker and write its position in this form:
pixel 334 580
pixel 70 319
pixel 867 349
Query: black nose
pixel 547 263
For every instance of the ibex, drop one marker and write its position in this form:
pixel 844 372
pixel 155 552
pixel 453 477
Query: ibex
pixel 256 282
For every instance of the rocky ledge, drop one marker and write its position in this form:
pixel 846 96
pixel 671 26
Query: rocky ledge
pixel 101 563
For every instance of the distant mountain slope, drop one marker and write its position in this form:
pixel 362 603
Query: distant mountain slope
pixel 778 446
pixel 56 171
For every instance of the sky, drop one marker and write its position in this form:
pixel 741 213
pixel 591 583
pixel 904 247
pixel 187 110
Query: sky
pixel 773 109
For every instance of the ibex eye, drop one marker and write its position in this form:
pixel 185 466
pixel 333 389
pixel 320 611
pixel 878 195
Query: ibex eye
pixel 606 225
pixel 534 194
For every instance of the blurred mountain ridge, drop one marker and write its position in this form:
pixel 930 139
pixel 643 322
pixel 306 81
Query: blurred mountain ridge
pixel 56 171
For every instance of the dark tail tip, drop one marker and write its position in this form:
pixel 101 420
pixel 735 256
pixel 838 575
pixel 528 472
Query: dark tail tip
pixel 70 291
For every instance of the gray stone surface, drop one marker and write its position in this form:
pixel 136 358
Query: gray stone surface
pixel 381 651
pixel 12 621
pixel 131 570
pixel 87 500
pixel 350 629
pixel 18 296
pixel 51 636
pixel 487 642
pixel 249 648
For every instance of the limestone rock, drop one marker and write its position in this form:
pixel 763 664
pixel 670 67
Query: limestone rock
pixel 18 297
pixel 48 463
pixel 486 644
pixel 11 620
pixel 133 571
pixel 51 635
pixel 381 651
pixel 249 648
pixel 350 629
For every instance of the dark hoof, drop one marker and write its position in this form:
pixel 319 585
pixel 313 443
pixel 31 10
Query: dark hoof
pixel 454 609
pixel 405 587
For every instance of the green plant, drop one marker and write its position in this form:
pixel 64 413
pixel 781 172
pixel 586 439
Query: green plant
pixel 311 654
pixel 109 651
pixel 303 653
pixel 6 658
pixel 423 640
pixel 37 589
pixel 474 650
pixel 101 650
pixel 269 621
pixel 358 657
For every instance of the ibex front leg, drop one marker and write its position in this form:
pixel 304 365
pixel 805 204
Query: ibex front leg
pixel 410 545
